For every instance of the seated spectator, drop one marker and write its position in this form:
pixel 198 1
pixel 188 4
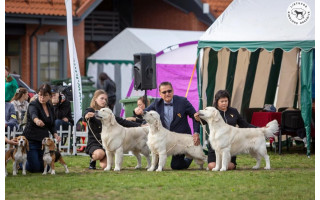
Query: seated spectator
pixel 10 86
pixel 11 118
pixel 62 111
pixel 138 111
pixel 24 121
pixel 20 103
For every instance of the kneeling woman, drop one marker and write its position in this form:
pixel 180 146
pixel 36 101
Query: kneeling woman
pixel 40 121
pixel 94 145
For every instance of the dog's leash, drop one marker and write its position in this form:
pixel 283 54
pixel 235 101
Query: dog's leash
pixel 88 120
pixel 204 128
pixel 97 138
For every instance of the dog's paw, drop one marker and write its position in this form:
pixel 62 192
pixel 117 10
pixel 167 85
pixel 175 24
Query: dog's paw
pixel 207 168
pixel 215 169
pixel 223 169
pixel 267 168
pixel 44 173
pixel 138 167
pixel 24 173
pixel 14 173
pixel 150 169
pixel 159 170
pixel 255 167
pixel 116 169
pixel 53 172
pixel 67 171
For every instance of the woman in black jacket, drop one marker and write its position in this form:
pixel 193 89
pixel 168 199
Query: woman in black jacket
pixel 40 121
pixel 94 145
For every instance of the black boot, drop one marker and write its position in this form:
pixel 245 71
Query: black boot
pixel 92 164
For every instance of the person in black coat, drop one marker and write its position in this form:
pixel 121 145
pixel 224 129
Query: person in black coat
pixel 232 117
pixel 174 111
pixel 109 87
pixel 138 111
pixel 94 145
pixel 62 112
pixel 40 121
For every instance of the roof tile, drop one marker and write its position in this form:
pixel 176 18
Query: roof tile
pixel 45 7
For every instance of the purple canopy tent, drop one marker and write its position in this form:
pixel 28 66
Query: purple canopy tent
pixel 176 64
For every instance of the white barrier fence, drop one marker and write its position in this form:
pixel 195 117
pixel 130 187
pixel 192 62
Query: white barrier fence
pixel 68 144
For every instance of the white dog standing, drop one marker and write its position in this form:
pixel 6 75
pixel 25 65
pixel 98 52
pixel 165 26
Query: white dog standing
pixel 117 139
pixel 229 141
pixel 164 143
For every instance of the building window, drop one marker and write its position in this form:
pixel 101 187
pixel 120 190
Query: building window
pixel 51 57
pixel 50 61
pixel 13 55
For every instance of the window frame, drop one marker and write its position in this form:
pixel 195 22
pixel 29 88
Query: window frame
pixel 53 36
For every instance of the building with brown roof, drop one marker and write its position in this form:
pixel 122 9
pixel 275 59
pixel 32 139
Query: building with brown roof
pixel 36 38
pixel 36 32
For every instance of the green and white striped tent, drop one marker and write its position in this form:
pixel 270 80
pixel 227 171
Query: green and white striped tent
pixel 262 52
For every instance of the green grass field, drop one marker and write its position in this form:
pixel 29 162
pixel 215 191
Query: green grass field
pixel 292 177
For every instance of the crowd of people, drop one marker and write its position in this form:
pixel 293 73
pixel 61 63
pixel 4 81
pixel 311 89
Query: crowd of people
pixel 50 111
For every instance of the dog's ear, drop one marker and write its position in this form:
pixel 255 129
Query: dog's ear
pixel 112 119
pixel 216 115
pixel 157 125
pixel 27 144
pixel 52 145
pixel 42 147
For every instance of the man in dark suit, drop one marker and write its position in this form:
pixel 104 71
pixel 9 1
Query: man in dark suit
pixel 173 111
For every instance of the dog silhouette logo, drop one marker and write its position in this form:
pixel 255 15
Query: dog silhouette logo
pixel 298 13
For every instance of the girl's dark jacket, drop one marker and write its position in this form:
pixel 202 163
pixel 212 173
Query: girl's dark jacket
pixel 96 127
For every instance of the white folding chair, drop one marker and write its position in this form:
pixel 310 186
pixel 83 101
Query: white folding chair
pixel 12 134
pixel 77 134
pixel 66 145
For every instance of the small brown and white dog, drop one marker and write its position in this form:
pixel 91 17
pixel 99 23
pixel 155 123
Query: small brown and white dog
pixel 50 156
pixel 18 155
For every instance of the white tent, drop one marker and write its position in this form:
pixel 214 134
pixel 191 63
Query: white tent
pixel 259 51
pixel 116 57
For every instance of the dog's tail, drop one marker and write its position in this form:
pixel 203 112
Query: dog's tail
pixel 271 128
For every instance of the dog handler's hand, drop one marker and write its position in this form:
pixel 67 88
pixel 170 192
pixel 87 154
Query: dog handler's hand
pixel 196 116
pixel 57 137
pixel 39 122
pixel 196 139
pixel 89 115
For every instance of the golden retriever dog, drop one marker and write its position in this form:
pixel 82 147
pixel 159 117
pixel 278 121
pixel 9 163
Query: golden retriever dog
pixel 164 143
pixel 229 141
pixel 117 139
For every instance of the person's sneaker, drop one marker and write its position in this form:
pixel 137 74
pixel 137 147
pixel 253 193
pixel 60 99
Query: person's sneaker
pixel 92 164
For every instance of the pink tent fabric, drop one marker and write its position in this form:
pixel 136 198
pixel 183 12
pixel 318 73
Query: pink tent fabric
pixel 179 76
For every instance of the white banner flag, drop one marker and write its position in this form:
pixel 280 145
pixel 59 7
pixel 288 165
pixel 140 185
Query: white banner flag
pixel 74 65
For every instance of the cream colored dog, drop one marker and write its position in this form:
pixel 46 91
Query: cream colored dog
pixel 229 141
pixel 117 139
pixel 164 143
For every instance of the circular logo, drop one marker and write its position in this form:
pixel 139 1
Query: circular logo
pixel 299 13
